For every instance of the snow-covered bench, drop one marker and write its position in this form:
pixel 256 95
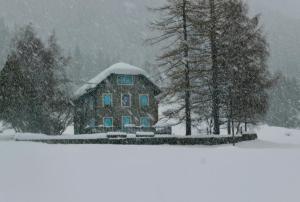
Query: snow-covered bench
pixel 145 134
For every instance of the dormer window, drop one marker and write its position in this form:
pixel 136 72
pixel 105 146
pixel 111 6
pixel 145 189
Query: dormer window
pixel 125 79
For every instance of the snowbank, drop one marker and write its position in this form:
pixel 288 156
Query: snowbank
pixel 33 136
pixel 278 134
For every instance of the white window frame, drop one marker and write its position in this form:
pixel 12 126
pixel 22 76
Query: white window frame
pixel 148 119
pixel 130 100
pixel 119 75
pixel 112 121
pixel 140 95
pixel 111 96
pixel 123 122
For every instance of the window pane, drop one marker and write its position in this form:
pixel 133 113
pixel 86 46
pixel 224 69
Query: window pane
pixel 145 122
pixel 107 100
pixel 126 100
pixel 126 120
pixel 144 100
pixel 108 122
pixel 125 79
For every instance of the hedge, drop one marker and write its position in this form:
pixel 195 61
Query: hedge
pixel 155 140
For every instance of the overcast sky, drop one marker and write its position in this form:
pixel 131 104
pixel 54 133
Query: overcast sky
pixel 82 22
pixel 287 7
pixel 19 11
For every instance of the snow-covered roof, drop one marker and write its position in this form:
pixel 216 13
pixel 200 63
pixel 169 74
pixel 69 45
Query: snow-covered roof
pixel 118 68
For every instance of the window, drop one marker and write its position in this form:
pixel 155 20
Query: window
pixel 145 122
pixel 126 120
pixel 107 100
pixel 125 100
pixel 108 122
pixel 125 79
pixel 144 100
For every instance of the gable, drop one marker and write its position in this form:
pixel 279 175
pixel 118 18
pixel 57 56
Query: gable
pixel 117 69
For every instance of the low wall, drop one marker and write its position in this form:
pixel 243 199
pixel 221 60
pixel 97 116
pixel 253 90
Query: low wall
pixel 156 140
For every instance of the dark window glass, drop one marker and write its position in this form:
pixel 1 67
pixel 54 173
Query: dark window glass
pixel 126 102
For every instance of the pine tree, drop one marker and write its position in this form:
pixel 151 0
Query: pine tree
pixel 32 91
pixel 215 66
pixel 175 28
pixel 284 108
pixel 244 54
pixel 59 106
pixel 207 22
pixel 4 42
pixel 237 77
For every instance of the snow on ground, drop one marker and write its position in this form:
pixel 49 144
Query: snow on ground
pixel 69 130
pixel 279 135
pixel 265 170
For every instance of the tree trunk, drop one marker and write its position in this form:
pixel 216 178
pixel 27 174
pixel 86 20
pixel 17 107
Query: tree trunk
pixel 233 138
pixel 215 71
pixel 228 126
pixel 232 126
pixel 187 75
pixel 238 128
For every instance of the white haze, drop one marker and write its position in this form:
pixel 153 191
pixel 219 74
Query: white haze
pixel 119 27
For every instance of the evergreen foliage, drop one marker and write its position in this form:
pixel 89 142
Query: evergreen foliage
pixel 4 42
pixel 33 85
pixel 285 104
pixel 175 28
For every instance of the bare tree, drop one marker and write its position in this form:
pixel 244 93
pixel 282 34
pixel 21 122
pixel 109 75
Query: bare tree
pixel 175 33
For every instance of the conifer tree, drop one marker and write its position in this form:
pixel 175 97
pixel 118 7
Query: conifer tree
pixel 226 62
pixel 175 29
pixel 284 108
pixel 33 94
pixel 246 79
pixel 4 42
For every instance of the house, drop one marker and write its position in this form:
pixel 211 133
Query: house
pixel 121 98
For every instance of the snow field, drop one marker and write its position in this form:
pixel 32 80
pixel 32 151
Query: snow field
pixel 258 171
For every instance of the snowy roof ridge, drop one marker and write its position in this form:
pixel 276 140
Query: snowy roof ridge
pixel 118 68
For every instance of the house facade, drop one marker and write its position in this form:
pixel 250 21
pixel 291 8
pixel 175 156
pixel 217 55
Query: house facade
pixel 121 98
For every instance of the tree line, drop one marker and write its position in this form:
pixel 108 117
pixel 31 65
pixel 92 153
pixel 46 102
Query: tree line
pixel 215 58
pixel 213 70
